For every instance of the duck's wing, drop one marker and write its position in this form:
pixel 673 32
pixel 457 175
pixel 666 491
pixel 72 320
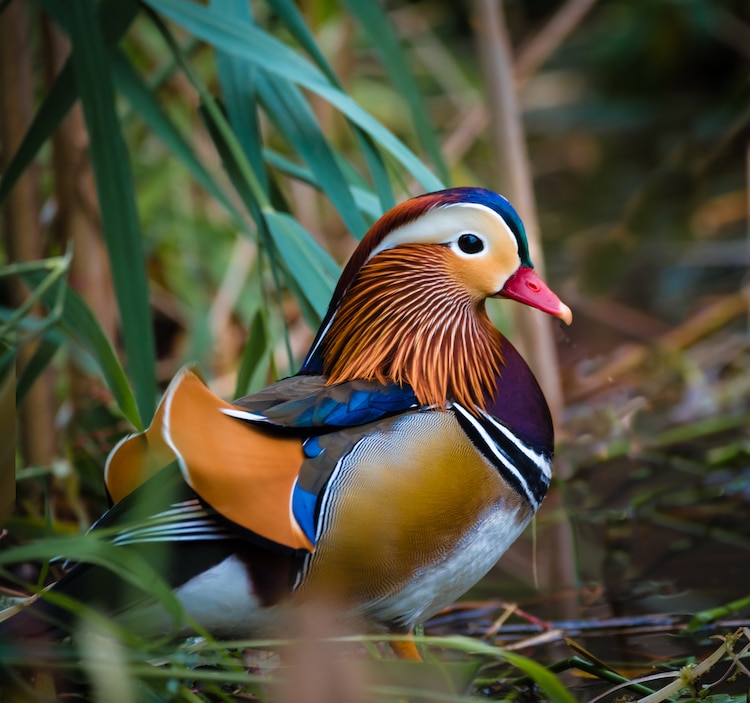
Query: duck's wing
pixel 243 459
pixel 242 472
pixel 313 408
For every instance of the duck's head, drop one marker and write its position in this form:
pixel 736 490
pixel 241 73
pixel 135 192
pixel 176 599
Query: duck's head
pixel 409 306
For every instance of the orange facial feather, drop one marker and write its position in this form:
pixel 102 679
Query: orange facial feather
pixel 405 322
pixel 396 217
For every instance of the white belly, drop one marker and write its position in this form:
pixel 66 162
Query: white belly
pixel 434 587
pixel 220 600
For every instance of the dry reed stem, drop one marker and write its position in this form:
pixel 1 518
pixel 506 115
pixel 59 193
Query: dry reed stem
pixel 708 321
pixel 22 230
pixel 530 57
pixel 515 180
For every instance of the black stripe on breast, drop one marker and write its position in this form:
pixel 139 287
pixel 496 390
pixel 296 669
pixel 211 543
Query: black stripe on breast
pixel 526 470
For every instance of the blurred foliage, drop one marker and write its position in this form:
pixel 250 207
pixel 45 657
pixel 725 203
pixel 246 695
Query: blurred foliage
pixel 236 156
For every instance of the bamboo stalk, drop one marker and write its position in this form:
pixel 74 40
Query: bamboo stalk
pixel 7 449
pixel 77 210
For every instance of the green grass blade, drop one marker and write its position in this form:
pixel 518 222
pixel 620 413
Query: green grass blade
pixel 68 310
pixel 295 23
pixel 40 359
pixel 295 119
pixel 545 679
pixel 290 15
pixel 145 104
pixel 245 40
pixel 79 323
pixel 47 118
pixel 379 171
pixel 125 563
pixel 256 354
pixel 51 273
pixel 237 79
pixel 114 183
pixel 705 617
pixel 366 201
pixel 220 131
pixel 233 160
pixel 375 23
pixel 307 262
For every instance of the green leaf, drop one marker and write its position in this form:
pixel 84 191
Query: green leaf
pixel 146 105
pixel 68 310
pixel 49 284
pixel 290 15
pixel 109 158
pixel 63 93
pixel 374 21
pixel 244 39
pixel 705 617
pixel 307 262
pixel 237 78
pixel 244 177
pixel 79 323
pixel 293 117
pixel 366 200
pixel 127 564
pixel 40 359
pixel 545 679
pixel 255 355
pixel 295 23
pixel 47 118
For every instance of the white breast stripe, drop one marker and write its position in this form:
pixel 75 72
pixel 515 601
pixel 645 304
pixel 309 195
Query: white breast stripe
pixel 490 444
pixel 545 466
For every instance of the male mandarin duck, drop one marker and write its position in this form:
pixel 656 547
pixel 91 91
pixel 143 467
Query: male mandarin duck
pixel 387 476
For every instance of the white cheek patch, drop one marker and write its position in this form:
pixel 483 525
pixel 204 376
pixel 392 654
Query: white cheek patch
pixel 445 224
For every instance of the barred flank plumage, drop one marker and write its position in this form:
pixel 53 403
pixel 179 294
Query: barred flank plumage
pixel 405 323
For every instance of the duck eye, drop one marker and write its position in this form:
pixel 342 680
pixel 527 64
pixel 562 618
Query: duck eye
pixel 470 244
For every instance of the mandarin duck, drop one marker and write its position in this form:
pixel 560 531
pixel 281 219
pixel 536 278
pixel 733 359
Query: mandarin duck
pixel 387 476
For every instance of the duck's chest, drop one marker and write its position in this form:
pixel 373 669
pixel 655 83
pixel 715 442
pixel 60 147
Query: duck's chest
pixel 412 516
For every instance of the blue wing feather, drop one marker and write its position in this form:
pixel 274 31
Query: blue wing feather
pixel 348 404
pixel 304 509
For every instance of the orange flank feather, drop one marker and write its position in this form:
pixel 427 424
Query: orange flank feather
pixel 138 457
pixel 244 474
pixel 405 323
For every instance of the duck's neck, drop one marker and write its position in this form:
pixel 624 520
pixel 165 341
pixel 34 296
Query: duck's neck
pixel 402 324
pixel 518 402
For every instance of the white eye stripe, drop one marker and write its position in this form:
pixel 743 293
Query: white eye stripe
pixel 445 224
